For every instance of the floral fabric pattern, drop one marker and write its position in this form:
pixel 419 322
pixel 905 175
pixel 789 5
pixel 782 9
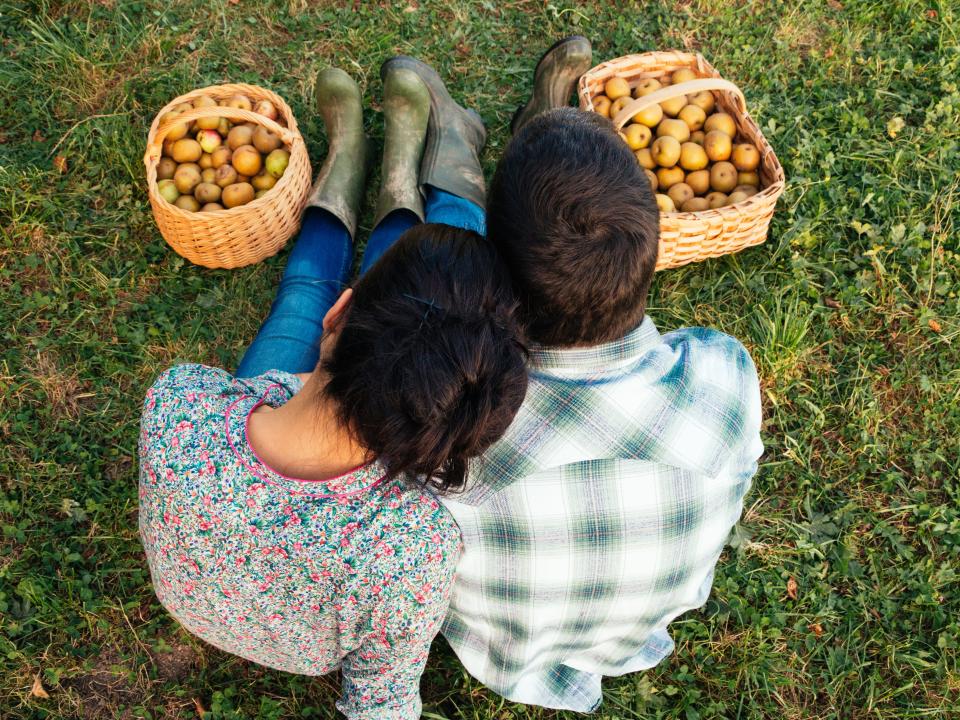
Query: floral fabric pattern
pixel 303 576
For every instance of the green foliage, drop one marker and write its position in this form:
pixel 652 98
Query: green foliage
pixel 850 310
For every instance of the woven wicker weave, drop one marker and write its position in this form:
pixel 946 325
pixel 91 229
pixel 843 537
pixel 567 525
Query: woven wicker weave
pixel 687 237
pixel 248 233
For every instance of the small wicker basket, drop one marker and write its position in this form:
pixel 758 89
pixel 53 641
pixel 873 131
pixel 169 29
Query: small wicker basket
pixel 241 235
pixel 687 237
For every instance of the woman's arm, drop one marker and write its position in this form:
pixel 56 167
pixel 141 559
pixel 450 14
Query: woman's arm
pixel 381 679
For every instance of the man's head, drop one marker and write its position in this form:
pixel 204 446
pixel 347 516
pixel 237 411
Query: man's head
pixel 572 212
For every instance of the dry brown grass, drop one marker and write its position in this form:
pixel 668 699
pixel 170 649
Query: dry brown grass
pixel 63 390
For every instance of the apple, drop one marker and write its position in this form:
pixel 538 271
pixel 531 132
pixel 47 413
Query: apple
pixel 276 163
pixel 209 140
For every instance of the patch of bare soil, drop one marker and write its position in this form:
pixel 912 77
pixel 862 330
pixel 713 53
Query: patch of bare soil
pixel 107 691
pixel 175 664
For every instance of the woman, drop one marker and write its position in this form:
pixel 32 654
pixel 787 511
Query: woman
pixel 286 518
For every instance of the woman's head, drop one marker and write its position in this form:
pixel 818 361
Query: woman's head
pixel 427 362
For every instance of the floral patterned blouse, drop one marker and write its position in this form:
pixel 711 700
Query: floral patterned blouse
pixel 303 576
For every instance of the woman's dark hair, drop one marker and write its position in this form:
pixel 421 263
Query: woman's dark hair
pixel 429 365
pixel 573 215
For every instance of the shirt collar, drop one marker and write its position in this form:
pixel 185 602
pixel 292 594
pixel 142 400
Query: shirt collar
pixel 608 357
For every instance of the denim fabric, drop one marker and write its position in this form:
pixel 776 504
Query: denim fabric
pixel 317 272
pixel 440 207
pixel 446 209
pixel 385 234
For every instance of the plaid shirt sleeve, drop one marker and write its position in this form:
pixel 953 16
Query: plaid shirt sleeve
pixel 599 518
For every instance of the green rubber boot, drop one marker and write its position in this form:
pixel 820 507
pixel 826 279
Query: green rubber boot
pixel 455 137
pixel 406 110
pixel 340 183
pixel 555 78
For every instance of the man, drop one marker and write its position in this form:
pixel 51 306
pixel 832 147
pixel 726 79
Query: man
pixel 600 516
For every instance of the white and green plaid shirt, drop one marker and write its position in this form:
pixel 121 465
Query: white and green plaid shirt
pixel 600 516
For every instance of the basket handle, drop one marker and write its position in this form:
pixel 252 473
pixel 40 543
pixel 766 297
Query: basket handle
pixel 155 149
pixel 672 91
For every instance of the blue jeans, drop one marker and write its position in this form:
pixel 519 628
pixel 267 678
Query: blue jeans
pixel 317 272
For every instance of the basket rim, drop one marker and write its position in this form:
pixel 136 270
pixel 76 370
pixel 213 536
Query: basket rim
pixel 233 88
pixel 680 55
pixel 298 150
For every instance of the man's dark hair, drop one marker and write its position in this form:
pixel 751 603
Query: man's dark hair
pixel 429 365
pixel 573 215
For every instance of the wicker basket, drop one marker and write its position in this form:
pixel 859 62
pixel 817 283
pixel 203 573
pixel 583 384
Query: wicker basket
pixel 248 233
pixel 687 237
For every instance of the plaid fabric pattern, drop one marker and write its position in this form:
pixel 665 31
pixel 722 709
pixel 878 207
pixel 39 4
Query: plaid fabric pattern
pixel 600 516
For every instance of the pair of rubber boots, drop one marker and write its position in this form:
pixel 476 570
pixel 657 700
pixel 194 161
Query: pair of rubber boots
pixel 429 139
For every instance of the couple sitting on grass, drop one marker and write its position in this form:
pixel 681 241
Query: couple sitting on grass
pixel 485 434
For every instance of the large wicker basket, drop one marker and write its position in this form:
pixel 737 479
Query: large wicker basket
pixel 687 237
pixel 248 233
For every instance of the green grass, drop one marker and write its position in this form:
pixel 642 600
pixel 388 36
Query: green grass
pixel 850 310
